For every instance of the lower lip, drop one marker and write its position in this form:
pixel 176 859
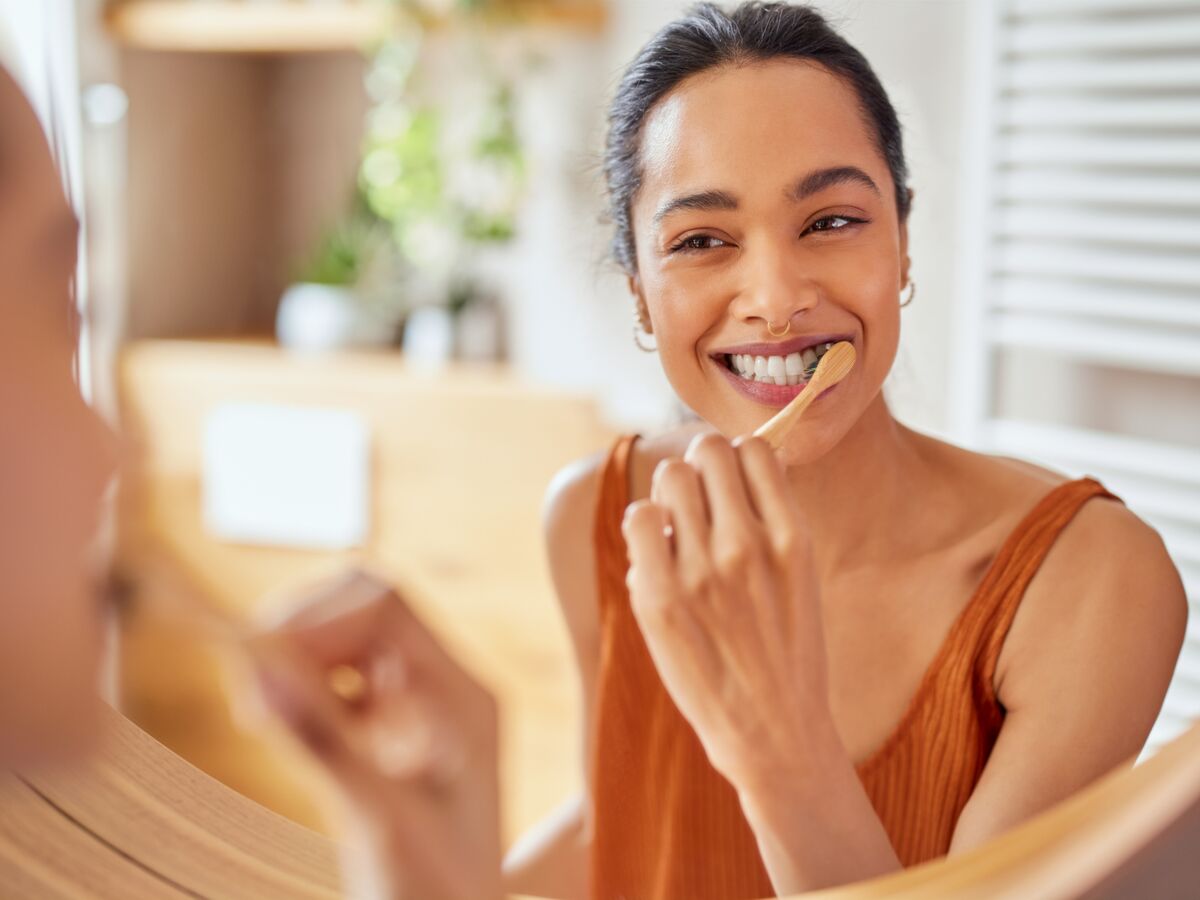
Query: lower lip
pixel 773 395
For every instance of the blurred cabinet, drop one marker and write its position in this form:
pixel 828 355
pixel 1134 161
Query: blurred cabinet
pixel 236 165
pixel 461 461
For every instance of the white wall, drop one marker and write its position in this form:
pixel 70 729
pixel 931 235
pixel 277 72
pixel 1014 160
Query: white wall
pixel 572 314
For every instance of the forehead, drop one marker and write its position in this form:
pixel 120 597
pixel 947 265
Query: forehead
pixel 774 119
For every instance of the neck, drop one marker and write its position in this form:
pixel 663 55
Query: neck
pixel 859 496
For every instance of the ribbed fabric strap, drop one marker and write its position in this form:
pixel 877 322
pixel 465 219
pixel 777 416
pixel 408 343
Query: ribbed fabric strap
pixel 1019 560
pixel 611 555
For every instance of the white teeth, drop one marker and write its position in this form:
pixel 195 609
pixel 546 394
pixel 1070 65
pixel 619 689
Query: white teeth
pixel 776 370
pixel 781 370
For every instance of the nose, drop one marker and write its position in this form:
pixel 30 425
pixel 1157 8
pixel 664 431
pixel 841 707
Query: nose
pixel 775 288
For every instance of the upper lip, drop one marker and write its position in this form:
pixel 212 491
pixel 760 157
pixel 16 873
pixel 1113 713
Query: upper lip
pixel 782 348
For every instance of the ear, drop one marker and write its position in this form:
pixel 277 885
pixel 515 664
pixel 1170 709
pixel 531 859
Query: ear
pixel 640 309
pixel 904 244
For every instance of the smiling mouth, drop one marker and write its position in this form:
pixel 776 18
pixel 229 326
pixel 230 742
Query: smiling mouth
pixel 791 369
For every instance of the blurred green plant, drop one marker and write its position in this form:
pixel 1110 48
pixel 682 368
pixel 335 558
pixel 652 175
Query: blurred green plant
pixel 438 177
pixel 446 176
pixel 344 253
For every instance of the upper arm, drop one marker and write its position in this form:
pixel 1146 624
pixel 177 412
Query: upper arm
pixel 1084 669
pixel 551 859
pixel 568 519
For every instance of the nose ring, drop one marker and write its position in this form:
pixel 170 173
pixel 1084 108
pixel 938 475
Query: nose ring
pixel 786 328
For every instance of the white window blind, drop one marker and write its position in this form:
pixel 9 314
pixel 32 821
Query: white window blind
pixel 1079 327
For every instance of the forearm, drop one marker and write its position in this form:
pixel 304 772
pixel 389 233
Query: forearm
pixel 816 827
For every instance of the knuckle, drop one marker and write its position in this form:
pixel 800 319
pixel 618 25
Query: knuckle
pixel 638 513
pixel 789 540
pixel 756 450
pixel 734 557
pixel 709 447
pixel 673 470
pixel 672 478
pixel 698 578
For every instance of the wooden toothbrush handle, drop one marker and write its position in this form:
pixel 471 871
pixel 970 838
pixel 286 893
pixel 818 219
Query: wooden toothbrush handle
pixel 775 429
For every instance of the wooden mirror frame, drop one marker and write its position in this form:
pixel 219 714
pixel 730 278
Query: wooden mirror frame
pixel 136 820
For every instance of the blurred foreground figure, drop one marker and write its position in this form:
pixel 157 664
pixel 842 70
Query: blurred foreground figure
pixel 414 751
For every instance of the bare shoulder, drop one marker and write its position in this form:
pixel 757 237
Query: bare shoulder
pixel 1084 668
pixel 568 515
pixel 570 501
pixel 1107 588
pixel 1107 602
pixel 1106 554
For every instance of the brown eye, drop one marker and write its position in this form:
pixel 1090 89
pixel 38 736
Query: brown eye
pixel 834 223
pixel 697 242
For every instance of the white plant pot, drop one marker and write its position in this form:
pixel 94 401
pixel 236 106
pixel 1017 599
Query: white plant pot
pixel 327 317
pixel 429 336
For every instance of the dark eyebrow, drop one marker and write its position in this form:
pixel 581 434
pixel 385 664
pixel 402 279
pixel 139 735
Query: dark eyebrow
pixel 702 201
pixel 812 183
pixel 820 179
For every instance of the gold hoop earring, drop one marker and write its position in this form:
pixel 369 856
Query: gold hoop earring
pixel 773 333
pixel 912 292
pixel 638 331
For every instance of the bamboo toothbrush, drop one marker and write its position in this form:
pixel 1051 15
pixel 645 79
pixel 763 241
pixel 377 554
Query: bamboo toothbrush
pixel 833 367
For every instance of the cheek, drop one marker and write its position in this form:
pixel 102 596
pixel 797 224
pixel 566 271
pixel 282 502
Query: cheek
pixel 881 329
pixel 868 289
pixel 684 305
pixel 683 310
pixel 51 638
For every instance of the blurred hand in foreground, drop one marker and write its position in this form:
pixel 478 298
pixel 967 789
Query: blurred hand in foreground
pixel 408 736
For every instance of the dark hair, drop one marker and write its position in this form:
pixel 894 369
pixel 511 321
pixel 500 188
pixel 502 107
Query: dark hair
pixel 707 37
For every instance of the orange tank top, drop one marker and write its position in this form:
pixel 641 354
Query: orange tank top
pixel 668 825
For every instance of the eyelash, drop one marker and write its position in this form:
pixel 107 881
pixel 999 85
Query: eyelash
pixel 682 246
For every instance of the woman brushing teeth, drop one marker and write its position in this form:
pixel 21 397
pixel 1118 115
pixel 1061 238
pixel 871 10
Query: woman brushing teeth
pixel 811 666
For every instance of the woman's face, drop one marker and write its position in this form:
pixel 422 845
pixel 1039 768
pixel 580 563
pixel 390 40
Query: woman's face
pixel 56 460
pixel 765 200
